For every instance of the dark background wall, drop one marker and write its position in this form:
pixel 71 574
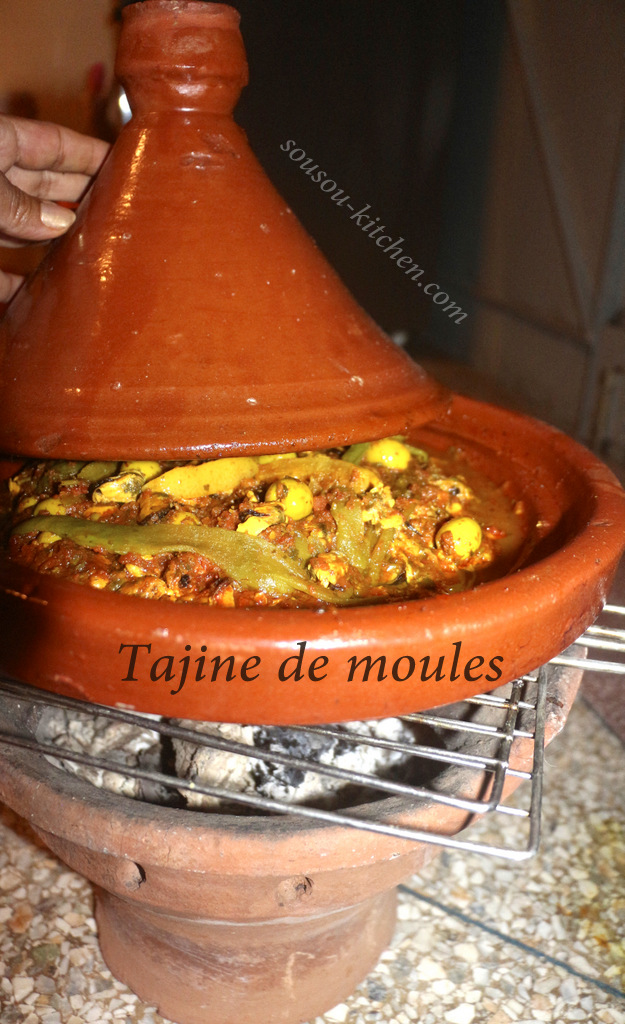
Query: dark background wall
pixel 368 90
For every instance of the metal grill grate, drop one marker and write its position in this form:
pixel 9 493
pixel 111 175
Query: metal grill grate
pixel 475 738
pixel 600 639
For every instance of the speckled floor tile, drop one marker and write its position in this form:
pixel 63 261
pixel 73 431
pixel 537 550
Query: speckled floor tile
pixel 478 941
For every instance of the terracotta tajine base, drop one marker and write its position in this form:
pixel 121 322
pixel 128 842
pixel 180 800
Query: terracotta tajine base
pixel 239 920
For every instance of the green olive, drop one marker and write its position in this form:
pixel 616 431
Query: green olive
pixel 459 538
pixel 53 506
pixel 388 452
pixel 293 496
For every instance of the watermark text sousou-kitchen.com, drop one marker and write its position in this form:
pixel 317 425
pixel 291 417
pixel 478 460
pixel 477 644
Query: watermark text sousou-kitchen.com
pixel 371 226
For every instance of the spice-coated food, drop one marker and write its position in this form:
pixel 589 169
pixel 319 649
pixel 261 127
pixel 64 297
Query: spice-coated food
pixel 378 521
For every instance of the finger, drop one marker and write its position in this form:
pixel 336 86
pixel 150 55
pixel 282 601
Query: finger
pixel 49 184
pixel 23 216
pixel 39 145
pixel 12 243
pixel 9 283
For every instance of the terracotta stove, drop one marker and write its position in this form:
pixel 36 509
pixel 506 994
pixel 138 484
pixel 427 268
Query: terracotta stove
pixel 187 315
pixel 268 917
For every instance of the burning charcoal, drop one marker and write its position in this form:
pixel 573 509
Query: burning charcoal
pixel 200 764
pixel 99 736
pixel 235 772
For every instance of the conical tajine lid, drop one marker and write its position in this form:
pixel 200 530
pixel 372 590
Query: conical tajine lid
pixel 187 313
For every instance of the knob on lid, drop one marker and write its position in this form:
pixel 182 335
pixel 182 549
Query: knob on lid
pixel 187 313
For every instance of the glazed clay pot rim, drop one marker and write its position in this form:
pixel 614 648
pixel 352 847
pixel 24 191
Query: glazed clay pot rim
pixel 526 618
pixel 76 810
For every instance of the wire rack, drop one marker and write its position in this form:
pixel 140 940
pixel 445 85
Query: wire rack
pixel 464 764
pixel 606 637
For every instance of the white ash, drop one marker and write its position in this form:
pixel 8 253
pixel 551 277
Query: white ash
pixel 142 747
pixel 224 769
pixel 100 736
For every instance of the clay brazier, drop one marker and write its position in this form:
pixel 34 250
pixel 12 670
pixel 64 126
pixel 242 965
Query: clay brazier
pixel 236 919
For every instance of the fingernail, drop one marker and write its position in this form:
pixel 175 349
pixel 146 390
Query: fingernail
pixel 56 217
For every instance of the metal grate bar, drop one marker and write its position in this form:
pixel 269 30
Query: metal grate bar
pixel 474 727
pixel 599 638
pixel 603 644
pixel 416 750
pixel 614 609
pixel 607 631
pixel 590 664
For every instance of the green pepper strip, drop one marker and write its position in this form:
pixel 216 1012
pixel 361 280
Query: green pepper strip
pixel 251 561
pixel 350 534
pixel 355 452
pixel 380 554
pixel 326 471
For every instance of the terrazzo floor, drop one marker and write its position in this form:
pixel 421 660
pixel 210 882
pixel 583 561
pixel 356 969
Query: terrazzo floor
pixel 478 941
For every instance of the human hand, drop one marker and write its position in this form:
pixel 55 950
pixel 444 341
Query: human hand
pixel 39 163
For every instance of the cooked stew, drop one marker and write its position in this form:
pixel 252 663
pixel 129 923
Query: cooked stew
pixel 378 521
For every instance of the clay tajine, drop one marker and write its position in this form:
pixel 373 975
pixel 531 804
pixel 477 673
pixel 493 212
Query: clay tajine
pixel 187 313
